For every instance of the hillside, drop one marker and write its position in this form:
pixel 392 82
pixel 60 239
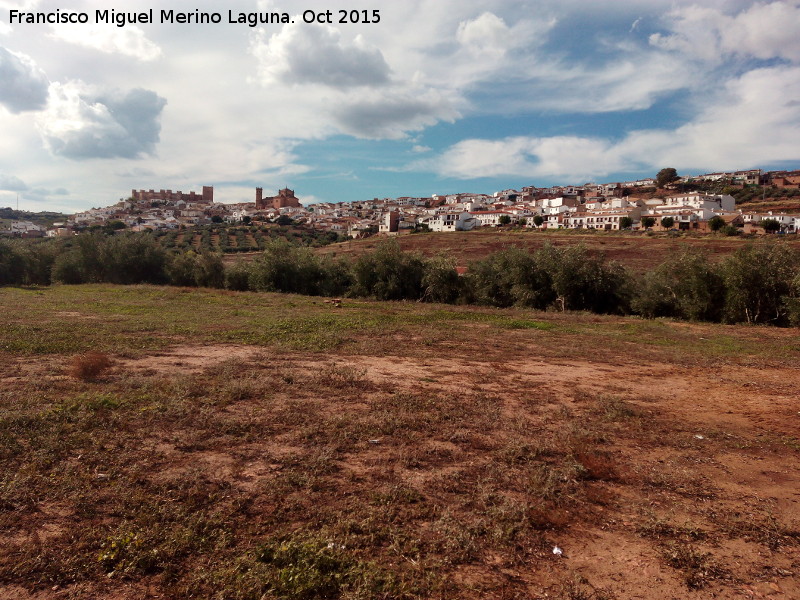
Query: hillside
pixel 286 448
pixel 45 219
pixel 636 251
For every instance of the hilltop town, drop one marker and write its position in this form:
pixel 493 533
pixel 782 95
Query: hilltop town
pixel 698 203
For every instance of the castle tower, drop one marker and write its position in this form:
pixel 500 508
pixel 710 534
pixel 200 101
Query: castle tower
pixel 259 198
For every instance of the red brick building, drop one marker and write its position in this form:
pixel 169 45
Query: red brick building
pixel 207 197
pixel 284 199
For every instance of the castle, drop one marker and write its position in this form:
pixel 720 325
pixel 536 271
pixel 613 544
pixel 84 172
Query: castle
pixel 284 199
pixel 207 197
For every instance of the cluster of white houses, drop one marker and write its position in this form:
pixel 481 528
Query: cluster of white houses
pixel 690 211
pixel 609 206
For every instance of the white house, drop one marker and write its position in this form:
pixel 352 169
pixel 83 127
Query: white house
pixel 453 221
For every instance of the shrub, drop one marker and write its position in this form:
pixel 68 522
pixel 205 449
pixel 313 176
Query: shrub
pixel 11 264
pixel 181 269
pixel 509 277
pixel 716 223
pixel 771 225
pixel 209 270
pixel 759 280
pixel 68 268
pixel 584 282
pixel 730 230
pixel 685 286
pixel 26 262
pixel 287 267
pixel 388 273
pixel 793 302
pixel 89 366
pixel 441 281
pixel 237 276
pixel 192 269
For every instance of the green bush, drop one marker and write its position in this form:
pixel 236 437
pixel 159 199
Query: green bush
pixel 123 258
pixel 190 269
pixel 388 273
pixel 209 270
pixel 237 276
pixel 793 302
pixel 685 286
pixel 287 267
pixel 132 258
pixel 441 282
pixel 181 269
pixel 68 268
pixel 759 280
pixel 716 223
pixel 581 281
pixel 12 266
pixel 507 278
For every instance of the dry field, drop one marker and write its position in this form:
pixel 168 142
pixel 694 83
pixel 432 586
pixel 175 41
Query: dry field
pixel 174 443
pixel 635 251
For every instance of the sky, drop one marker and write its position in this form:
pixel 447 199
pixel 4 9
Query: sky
pixel 436 97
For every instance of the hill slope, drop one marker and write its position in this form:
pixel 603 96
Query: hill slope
pixel 636 251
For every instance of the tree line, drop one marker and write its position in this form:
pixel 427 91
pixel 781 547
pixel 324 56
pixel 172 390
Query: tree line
pixel 759 283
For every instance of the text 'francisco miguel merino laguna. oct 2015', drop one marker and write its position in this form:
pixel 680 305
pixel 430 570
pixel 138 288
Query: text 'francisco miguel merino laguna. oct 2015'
pixel 196 17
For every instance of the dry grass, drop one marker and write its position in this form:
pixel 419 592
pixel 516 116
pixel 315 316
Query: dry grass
pixel 89 366
pixel 636 251
pixel 382 467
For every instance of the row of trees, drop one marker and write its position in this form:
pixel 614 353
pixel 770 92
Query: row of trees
pixel 756 284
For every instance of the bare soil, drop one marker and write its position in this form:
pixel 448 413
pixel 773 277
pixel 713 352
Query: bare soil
pixel 688 483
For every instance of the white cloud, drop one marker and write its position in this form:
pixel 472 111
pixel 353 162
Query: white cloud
pixel 317 54
pixel 762 31
pixel 24 84
pixel 12 183
pixel 754 120
pixel 393 115
pixel 81 122
pixel 128 41
pixel 562 156
pixel 343 86
pixel 486 34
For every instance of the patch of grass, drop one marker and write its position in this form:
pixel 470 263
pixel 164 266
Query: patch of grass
pixel 764 529
pixel 598 466
pixel 89 366
pixel 302 568
pixel 344 377
pixel 525 324
pixel 697 567
pixel 661 529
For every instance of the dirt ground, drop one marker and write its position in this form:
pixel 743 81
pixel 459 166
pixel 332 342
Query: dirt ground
pixel 701 499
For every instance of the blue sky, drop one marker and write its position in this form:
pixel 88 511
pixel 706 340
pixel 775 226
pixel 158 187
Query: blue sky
pixel 441 96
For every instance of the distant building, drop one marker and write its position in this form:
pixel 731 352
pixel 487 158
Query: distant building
pixel 390 224
pixel 284 199
pixel 207 197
